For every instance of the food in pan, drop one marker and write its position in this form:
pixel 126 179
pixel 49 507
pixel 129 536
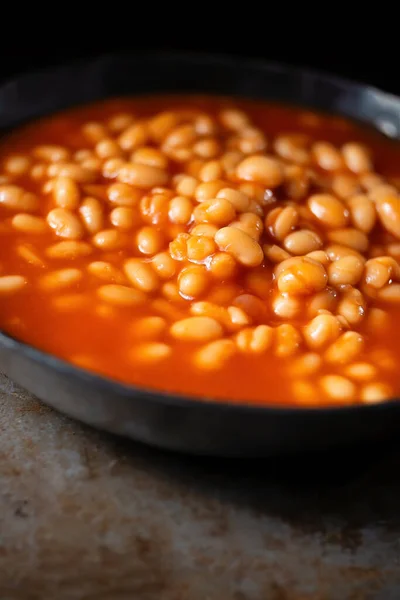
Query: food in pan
pixel 225 249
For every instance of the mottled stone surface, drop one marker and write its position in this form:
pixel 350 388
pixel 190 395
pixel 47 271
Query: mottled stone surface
pixel 86 516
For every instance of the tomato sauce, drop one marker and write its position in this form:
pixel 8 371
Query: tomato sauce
pixel 103 337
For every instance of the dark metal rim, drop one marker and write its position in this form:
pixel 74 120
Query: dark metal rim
pixel 220 59
pixel 159 396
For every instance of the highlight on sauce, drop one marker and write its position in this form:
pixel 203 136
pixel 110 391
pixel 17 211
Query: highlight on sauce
pixel 225 249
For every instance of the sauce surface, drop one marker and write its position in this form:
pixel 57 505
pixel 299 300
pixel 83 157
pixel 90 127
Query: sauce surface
pixel 73 317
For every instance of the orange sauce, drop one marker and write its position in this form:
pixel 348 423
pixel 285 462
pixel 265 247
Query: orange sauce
pixel 105 342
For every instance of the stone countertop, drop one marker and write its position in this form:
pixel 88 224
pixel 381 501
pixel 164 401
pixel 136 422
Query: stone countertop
pixel 85 516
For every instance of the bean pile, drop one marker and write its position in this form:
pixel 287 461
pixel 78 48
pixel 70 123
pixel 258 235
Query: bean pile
pixel 191 250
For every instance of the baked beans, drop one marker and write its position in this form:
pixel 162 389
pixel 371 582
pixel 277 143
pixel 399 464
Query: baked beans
pixel 227 250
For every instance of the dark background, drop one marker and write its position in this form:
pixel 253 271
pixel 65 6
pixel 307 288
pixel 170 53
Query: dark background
pixel 361 45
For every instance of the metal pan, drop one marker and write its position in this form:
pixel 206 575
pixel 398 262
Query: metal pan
pixel 170 421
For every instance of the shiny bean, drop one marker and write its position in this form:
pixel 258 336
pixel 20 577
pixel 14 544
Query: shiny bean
pixel 207 148
pixel 69 249
pixel 357 158
pixel 388 209
pixel 141 275
pixel 363 212
pixel 285 306
pixel 378 271
pixel 250 224
pixel 360 371
pixel 64 278
pixel 10 284
pixel 66 193
pixel 321 331
pixel 94 132
pixel 210 171
pixel 326 300
pixel 217 211
pixel 108 148
pixel 338 388
pixel 234 119
pixel 327 156
pixel 319 256
pixel 133 137
pixel 275 253
pixel 345 186
pixel 208 190
pixel 329 211
pixel 337 251
pixel 181 136
pixel 301 276
pixel 353 238
pixel 106 272
pixel 121 295
pixel 345 271
pixel 150 156
pixel 149 328
pixel 164 265
pixel 237 318
pixel 199 329
pixel 160 125
pixel 242 247
pixel 261 169
pixel 91 212
pixel 141 175
pixel 209 309
pixel 222 266
pixel 281 221
pixel 255 340
pixel 73 171
pixel 287 340
pixel 16 198
pixel 112 167
pixel 200 249
pixel 119 122
pixel 204 230
pixel 215 355
pixel 239 200
pixel 29 255
pixel 65 223
pixel 306 365
pixel 109 239
pixel 301 242
pixel 390 293
pixel 17 165
pixel 51 154
pixel 193 281
pixel 346 348
pixel 180 210
pixel 374 393
pixel 152 352
pixel 27 223
pixel 185 185
pixel 124 218
pixel 293 148
pixel 122 194
pixel 149 241
pixel 178 247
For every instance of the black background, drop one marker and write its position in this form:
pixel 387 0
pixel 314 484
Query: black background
pixel 361 45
